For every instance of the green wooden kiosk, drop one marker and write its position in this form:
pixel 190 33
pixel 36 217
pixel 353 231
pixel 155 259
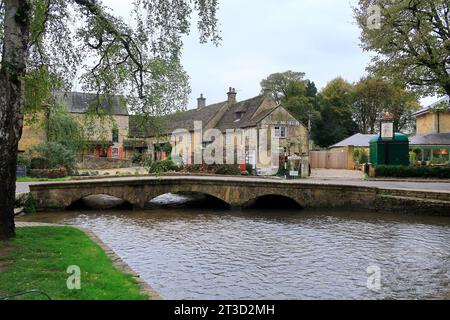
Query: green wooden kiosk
pixel 389 148
pixel 394 152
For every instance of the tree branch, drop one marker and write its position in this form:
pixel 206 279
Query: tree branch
pixel 128 44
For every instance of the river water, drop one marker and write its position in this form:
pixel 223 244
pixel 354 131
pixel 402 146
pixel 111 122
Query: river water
pixel 213 254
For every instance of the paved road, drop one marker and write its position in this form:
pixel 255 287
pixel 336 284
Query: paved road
pixel 429 186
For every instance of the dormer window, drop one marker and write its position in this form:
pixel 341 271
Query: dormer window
pixel 239 116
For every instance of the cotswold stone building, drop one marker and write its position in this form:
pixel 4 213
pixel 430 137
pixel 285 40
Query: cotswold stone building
pixel 241 124
pixel 106 138
pixel 433 131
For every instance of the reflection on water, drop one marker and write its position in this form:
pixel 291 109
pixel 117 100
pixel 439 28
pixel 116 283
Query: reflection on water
pixel 192 254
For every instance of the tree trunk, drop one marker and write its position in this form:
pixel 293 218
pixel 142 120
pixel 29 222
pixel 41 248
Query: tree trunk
pixel 447 88
pixel 12 71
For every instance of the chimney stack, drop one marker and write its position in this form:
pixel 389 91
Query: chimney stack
pixel 232 96
pixel 201 102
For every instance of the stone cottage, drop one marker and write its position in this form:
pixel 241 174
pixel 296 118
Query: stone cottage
pixel 240 124
pixel 106 137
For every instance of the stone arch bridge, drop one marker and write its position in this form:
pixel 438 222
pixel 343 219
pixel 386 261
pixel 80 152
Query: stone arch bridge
pixel 237 191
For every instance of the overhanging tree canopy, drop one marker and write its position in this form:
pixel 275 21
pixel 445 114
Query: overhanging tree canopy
pixel 44 40
pixel 411 39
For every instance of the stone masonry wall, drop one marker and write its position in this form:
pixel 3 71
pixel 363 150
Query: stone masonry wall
pixel 95 163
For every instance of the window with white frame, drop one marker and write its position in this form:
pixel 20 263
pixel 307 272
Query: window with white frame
pixel 280 132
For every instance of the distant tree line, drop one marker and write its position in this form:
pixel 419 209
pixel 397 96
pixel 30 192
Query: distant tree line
pixel 341 108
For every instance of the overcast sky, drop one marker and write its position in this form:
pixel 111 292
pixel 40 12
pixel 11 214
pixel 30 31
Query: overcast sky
pixel 260 37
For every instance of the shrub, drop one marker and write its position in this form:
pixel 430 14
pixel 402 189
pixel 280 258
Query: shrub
pixel 24 159
pixel 363 157
pixel 417 151
pixel 162 167
pixel 439 161
pixel 412 158
pixel 56 156
pixel 282 171
pixel 413 172
pixel 356 155
pixel 167 148
pixel 229 170
pixel 137 158
pixel 38 163
pixel 30 204
pixel 49 173
pixel 192 168
pixel 222 169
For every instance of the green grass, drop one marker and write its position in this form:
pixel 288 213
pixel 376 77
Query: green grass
pixel 29 179
pixel 37 259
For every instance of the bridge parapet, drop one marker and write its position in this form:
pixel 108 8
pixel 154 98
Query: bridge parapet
pixel 234 191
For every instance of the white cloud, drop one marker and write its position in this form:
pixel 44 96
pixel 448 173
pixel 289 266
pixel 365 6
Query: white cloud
pixel 318 37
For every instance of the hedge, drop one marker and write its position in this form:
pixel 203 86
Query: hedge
pixel 163 166
pixel 220 169
pixel 49 173
pixel 413 172
pixel 228 170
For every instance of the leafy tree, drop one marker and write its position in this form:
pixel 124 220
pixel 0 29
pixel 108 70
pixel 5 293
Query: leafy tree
pixel 370 101
pixel 299 104
pixel 56 155
pixel 64 129
pixel 298 96
pixel 402 105
pixel 61 37
pixel 336 122
pixel 412 43
pixel 311 89
pixel 280 84
pixel 375 97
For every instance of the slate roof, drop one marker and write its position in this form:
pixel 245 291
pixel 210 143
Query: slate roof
pixel 247 108
pixel 79 102
pixel 434 139
pixel 185 120
pixel 357 140
pixel 427 109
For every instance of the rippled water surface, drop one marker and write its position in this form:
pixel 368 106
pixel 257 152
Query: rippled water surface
pixel 187 254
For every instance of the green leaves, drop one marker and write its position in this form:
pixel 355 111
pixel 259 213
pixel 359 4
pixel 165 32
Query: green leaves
pixel 336 122
pixel 282 84
pixel 83 41
pixel 64 129
pixel 57 156
pixel 294 93
pixel 39 86
pixel 411 44
pixel 375 97
pixel 143 59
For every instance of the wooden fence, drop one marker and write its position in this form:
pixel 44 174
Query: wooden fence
pixel 330 160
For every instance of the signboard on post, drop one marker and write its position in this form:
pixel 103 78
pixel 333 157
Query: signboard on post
pixel 294 158
pixel 387 131
pixel 387 128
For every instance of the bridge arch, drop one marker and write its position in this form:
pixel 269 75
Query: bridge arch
pixel 189 199
pixel 273 201
pixel 99 201
pixel 204 198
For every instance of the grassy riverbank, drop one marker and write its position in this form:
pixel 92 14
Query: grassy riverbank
pixel 37 259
